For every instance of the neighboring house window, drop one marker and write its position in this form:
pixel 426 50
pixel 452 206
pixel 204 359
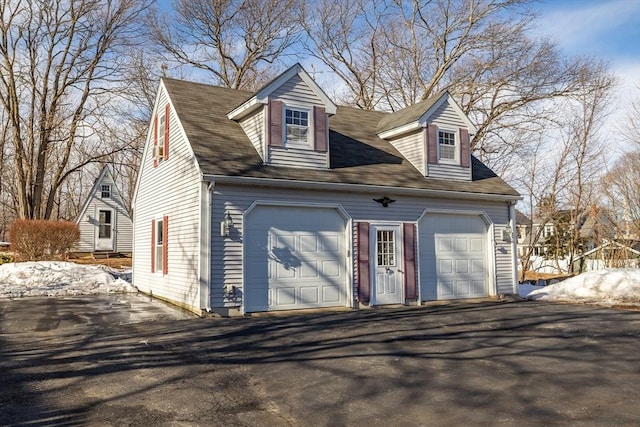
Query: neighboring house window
pixel 297 126
pixel 447 145
pixel 104 225
pixel 105 191
pixel 548 230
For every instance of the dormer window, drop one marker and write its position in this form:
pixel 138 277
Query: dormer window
pixel 297 127
pixel 447 146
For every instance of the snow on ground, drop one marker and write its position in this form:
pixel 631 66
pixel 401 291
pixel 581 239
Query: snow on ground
pixel 57 278
pixel 605 287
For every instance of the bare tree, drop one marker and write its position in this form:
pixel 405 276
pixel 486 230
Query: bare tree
pixel 60 66
pixel 238 42
pixel 392 54
pixel 348 37
pixel 590 107
pixel 622 190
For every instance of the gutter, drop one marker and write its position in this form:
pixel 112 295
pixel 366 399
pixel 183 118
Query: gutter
pixel 362 188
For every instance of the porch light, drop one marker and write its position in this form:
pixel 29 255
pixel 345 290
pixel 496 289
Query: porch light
pixel 226 225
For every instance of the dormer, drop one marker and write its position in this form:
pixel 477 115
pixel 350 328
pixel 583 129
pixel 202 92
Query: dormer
pixel 434 135
pixel 287 121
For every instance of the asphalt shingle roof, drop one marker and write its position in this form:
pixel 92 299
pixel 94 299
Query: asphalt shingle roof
pixel 357 154
pixel 406 115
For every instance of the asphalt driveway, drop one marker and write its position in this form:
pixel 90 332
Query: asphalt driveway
pixel 489 363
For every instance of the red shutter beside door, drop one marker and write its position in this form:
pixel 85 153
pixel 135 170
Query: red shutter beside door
pixel 275 123
pixel 465 156
pixel 153 245
pixel 165 244
pixel 431 143
pixel 364 282
pixel 320 128
pixel 410 282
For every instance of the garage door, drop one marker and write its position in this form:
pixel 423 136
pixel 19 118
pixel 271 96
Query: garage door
pixel 294 258
pixel 454 260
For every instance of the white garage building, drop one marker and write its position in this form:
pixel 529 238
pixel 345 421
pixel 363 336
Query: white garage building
pixel 280 200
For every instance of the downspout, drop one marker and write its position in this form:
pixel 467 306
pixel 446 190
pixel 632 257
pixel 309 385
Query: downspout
pixel 206 188
pixel 514 245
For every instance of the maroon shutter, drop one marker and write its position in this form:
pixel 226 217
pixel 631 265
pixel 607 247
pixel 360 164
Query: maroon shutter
pixel 409 232
pixel 320 129
pixel 364 285
pixel 165 244
pixel 275 123
pixel 431 143
pixel 153 245
pixel 465 156
pixel 166 132
pixel 155 140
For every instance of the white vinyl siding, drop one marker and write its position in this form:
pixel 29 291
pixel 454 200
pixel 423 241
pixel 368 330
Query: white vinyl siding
pixel 411 146
pixel 446 171
pixel 171 189
pixel 296 92
pixel 446 117
pixel 122 226
pixel 297 158
pixel 226 261
pixel 253 126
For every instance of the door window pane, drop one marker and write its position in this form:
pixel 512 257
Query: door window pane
pixel 386 249
pixel 104 227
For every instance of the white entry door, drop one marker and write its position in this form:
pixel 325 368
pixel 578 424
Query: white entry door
pixel 104 232
pixel 388 277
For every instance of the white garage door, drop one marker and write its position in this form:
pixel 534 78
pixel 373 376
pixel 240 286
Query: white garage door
pixel 294 258
pixel 454 260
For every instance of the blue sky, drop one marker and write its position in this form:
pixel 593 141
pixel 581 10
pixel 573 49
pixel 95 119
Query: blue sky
pixel 606 29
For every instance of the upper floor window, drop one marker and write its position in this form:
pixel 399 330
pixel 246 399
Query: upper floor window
pixel 161 136
pixel 446 145
pixel 297 126
pixel 105 191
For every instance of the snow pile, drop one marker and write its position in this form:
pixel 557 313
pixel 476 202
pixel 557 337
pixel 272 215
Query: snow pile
pixel 53 278
pixel 607 287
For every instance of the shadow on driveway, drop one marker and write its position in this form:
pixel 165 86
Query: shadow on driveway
pixel 488 363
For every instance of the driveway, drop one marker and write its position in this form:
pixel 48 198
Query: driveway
pixel 482 364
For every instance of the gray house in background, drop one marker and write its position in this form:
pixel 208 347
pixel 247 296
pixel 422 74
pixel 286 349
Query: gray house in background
pixel 105 224
pixel 281 200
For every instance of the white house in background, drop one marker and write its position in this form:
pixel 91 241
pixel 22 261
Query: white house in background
pixel 280 200
pixel 104 221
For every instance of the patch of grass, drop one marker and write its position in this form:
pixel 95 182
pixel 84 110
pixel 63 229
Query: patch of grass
pixel 5 258
pixel 115 262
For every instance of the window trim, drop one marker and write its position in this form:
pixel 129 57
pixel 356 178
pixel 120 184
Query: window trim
pixel 456 146
pixel 309 144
